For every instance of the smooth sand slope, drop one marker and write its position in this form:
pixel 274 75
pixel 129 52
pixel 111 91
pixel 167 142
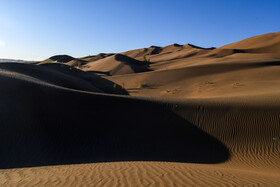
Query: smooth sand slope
pixel 179 115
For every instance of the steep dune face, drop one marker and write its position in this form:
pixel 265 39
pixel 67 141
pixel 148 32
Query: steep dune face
pixel 210 114
pixel 80 126
pixel 116 65
pixel 267 43
pixel 96 57
pixel 59 58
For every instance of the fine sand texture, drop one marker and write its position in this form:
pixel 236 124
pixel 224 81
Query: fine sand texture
pixel 180 115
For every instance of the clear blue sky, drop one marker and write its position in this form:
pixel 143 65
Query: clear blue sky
pixel 38 29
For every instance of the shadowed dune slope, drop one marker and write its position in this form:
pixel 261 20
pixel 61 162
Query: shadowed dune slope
pixel 61 75
pixel 58 58
pixel 71 126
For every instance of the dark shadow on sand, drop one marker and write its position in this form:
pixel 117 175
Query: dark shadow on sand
pixel 197 47
pixel 136 65
pixel 66 76
pixel 42 126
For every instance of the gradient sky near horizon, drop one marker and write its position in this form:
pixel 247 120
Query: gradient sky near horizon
pixel 38 29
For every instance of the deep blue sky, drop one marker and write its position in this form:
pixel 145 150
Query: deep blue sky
pixel 37 29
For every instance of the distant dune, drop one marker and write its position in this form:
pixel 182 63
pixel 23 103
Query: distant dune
pixel 179 115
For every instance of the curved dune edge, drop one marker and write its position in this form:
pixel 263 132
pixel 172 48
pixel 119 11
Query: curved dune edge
pixel 70 126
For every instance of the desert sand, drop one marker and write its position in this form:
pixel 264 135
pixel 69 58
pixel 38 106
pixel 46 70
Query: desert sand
pixel 179 115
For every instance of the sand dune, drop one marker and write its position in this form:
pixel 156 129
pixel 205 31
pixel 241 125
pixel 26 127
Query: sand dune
pixel 180 115
pixel 116 65
pixel 96 57
pixel 267 43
